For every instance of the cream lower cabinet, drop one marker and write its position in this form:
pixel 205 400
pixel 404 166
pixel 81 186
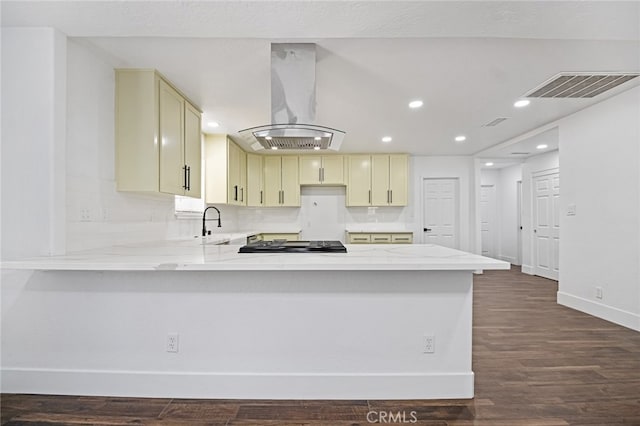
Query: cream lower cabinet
pixel 255 181
pixel 281 181
pixel 377 180
pixel 379 238
pixel 321 170
pixel 225 171
pixel 158 136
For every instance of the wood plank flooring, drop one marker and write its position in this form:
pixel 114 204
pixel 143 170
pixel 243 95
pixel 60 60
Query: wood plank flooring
pixel 536 363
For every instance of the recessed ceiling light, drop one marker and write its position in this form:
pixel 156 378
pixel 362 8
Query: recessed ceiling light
pixel 521 103
pixel 317 138
pixel 387 139
pixel 268 138
pixel 461 138
pixel 541 146
pixel 274 147
pixel 213 124
pixel 489 164
pixel 415 104
pixel 317 148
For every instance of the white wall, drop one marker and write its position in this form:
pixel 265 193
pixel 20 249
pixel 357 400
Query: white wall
pixel 98 215
pixel 600 245
pixel 531 166
pixel 461 168
pixel 33 136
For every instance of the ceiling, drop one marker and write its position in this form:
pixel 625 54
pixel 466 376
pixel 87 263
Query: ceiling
pixel 468 61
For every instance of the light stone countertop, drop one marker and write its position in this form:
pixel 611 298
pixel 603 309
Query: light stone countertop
pixel 193 255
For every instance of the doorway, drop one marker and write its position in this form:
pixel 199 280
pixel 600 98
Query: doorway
pixel 546 224
pixel 488 221
pixel 440 212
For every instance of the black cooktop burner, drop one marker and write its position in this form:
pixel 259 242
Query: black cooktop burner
pixel 284 246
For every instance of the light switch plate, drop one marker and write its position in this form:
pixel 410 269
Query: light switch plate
pixel 571 210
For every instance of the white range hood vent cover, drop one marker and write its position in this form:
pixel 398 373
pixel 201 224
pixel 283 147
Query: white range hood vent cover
pixel 293 104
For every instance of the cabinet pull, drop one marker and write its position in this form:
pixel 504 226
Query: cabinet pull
pixel 184 176
pixel 235 193
pixel 260 196
pixel 322 179
pixel 320 174
pixel 391 196
pixel 188 178
pixel 241 195
pixel 360 239
pixel 388 197
pixel 369 196
pixel 282 197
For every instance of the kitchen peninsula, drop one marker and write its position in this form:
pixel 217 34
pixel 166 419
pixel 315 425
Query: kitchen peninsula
pixel 186 319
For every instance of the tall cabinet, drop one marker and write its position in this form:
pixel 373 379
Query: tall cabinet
pixel 281 181
pixel 158 136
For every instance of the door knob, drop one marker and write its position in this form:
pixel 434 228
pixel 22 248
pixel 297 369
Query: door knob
pixel 426 229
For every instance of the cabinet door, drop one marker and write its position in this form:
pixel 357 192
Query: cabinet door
pixel 272 180
pixel 242 176
pixel 398 180
pixel 333 170
pixel 310 169
pixel 255 188
pixel 172 173
pixel 359 180
pixel 380 180
pixel 233 171
pixel 290 182
pixel 193 150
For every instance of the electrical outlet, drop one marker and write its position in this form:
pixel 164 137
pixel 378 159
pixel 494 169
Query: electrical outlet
pixel 429 344
pixel 85 215
pixel 172 342
pixel 598 292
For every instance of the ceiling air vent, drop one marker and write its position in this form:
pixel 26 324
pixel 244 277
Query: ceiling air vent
pixel 520 153
pixel 495 122
pixel 579 85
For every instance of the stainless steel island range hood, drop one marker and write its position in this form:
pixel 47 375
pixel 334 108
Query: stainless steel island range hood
pixel 293 104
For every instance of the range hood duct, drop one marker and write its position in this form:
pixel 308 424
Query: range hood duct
pixel 293 104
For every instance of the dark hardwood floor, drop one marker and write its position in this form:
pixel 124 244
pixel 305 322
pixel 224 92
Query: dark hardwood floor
pixel 535 363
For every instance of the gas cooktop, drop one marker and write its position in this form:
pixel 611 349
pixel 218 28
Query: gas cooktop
pixel 284 246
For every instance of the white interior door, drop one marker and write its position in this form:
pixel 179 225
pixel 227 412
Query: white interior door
pixel 488 220
pixel 440 212
pixel 546 229
pixel 519 224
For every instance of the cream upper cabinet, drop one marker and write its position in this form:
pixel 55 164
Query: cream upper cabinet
pixel 158 143
pixel 377 180
pixel 398 180
pixel 255 182
pixel 359 180
pixel 321 170
pixel 225 171
pixel 281 181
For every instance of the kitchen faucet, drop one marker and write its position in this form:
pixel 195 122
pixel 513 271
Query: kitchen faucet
pixel 204 215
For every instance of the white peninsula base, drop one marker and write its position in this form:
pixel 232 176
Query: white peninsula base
pixel 310 334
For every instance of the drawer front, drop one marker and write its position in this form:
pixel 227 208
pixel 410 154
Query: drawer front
pixel 359 239
pixel 402 238
pixel 288 237
pixel 380 238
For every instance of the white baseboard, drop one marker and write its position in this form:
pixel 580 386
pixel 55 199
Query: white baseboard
pixel 237 385
pixel 609 313
pixel 527 269
pixel 509 259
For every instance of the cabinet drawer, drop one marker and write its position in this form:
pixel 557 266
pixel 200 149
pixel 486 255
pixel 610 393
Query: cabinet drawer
pixel 402 238
pixel 380 238
pixel 288 237
pixel 359 238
